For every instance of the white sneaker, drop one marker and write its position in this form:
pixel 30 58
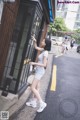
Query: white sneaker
pixel 32 104
pixel 42 107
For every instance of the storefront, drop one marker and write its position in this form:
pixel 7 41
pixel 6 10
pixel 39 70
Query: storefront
pixel 29 20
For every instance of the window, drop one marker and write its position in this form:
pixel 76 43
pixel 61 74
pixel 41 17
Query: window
pixel 65 14
pixel 18 47
pixel 37 22
pixel 77 25
pixel 78 16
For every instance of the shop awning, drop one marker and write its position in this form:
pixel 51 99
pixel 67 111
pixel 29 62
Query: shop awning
pixel 48 9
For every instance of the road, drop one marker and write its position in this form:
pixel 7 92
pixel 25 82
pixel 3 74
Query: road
pixel 63 102
pixel 63 94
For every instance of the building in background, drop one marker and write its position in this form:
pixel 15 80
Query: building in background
pixel 19 20
pixel 70 12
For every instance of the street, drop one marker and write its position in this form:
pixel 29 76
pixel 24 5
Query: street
pixel 63 99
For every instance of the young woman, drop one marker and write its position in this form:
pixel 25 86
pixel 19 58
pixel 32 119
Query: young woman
pixel 40 70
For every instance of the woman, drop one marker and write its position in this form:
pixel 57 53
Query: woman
pixel 40 70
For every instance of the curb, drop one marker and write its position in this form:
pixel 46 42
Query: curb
pixel 19 104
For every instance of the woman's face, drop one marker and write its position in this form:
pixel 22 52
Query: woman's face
pixel 43 43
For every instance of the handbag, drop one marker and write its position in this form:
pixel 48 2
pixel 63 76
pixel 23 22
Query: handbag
pixel 30 79
pixel 31 75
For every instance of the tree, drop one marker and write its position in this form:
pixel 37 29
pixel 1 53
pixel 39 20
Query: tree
pixel 58 25
pixel 76 35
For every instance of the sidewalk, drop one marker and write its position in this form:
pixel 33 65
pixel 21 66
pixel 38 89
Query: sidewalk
pixel 12 103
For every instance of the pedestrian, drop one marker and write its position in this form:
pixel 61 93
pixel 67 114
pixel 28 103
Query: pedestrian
pixel 64 48
pixel 71 44
pixel 39 72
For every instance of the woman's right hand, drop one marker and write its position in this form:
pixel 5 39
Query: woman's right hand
pixel 33 38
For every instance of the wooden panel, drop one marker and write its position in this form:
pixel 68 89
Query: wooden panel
pixel 6 30
pixel 13 6
pixel 53 7
pixel 44 31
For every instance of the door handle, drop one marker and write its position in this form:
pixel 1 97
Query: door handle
pixel 26 61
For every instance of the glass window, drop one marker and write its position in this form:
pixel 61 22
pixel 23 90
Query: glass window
pixel 78 16
pixel 77 25
pixel 23 38
pixel 19 38
pixel 15 73
pixel 36 24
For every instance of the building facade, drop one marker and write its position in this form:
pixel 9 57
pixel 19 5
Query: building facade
pixel 20 20
pixel 70 12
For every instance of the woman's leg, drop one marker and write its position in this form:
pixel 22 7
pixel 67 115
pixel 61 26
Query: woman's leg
pixel 33 100
pixel 35 88
pixel 38 86
pixel 36 93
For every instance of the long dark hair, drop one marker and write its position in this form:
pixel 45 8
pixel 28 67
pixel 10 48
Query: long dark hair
pixel 48 44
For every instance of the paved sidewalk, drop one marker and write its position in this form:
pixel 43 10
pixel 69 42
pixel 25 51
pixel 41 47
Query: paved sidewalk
pixel 12 103
pixel 6 102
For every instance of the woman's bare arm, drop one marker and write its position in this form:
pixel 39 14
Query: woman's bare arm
pixel 35 45
pixel 44 64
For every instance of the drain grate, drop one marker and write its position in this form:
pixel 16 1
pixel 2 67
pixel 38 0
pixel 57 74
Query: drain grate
pixel 68 108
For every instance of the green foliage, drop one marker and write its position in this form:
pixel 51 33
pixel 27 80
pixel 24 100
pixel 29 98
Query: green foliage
pixel 76 35
pixel 58 25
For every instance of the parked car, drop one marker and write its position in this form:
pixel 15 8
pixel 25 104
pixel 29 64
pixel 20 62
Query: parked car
pixel 78 48
pixel 57 42
pixel 53 41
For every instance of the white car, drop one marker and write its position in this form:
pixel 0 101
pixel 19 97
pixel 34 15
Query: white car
pixel 53 42
pixel 57 40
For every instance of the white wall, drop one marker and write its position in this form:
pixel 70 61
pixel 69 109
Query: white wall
pixel 71 15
